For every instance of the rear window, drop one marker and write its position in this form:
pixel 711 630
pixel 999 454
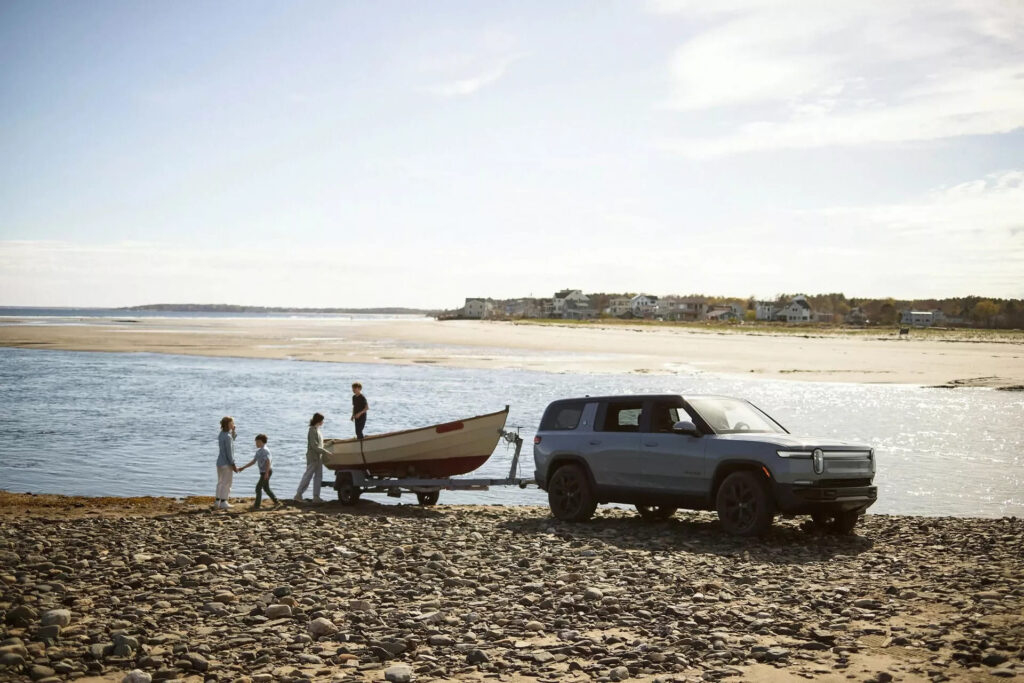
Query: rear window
pixel 562 417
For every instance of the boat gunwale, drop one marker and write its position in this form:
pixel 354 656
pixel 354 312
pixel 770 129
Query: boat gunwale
pixel 415 429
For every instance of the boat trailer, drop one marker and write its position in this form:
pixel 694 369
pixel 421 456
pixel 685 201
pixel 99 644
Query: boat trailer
pixel 353 483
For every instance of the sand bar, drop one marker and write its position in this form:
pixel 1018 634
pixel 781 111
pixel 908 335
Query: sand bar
pixel 881 358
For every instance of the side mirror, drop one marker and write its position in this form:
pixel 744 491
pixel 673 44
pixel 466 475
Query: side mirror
pixel 685 427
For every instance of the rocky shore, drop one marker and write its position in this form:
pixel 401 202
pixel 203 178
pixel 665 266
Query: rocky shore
pixel 94 590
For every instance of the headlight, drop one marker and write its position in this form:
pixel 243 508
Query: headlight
pixel 819 461
pixel 794 454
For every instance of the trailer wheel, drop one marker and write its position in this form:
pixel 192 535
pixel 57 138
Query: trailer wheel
pixel 428 497
pixel 348 493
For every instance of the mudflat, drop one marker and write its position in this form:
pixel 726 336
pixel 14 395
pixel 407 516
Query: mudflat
pixel 94 588
pixel 882 357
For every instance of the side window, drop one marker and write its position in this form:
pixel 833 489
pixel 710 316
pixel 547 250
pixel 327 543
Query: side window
pixel 622 417
pixel 663 416
pixel 563 417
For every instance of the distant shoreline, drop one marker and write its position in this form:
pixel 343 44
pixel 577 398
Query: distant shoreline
pixel 227 308
pixel 634 349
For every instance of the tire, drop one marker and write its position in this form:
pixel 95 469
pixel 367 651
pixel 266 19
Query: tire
pixel 570 496
pixel 348 493
pixel 840 523
pixel 428 498
pixel 655 513
pixel 744 505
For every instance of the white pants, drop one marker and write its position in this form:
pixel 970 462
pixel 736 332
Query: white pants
pixel 225 474
pixel 314 471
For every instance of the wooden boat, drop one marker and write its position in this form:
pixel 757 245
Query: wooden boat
pixel 441 450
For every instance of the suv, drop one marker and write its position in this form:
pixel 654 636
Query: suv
pixel 664 452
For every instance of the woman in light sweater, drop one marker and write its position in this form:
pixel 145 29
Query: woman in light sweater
pixel 226 467
pixel 314 467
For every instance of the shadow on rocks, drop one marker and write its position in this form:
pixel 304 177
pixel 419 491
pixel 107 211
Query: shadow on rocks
pixel 786 543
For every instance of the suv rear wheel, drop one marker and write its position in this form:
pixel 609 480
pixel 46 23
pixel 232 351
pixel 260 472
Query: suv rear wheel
pixel 744 505
pixel 655 513
pixel 569 494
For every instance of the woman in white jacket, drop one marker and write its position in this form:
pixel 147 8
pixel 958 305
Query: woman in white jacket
pixel 314 466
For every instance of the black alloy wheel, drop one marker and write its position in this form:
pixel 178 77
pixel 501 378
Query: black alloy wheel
pixel 744 505
pixel 569 494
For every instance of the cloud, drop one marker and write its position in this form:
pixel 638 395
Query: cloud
pixel 470 84
pixel 808 74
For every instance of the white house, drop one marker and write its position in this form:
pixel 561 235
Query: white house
pixel 765 310
pixel 567 300
pixel 618 305
pixel 796 311
pixel 922 318
pixel 476 308
pixel 643 305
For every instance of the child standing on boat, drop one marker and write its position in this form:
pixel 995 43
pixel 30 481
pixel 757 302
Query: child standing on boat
pixel 359 408
pixel 262 460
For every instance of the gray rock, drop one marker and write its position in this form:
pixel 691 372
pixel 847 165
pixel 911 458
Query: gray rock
pixel 994 659
pixel 399 673
pixel 9 559
pixel 534 626
pixel 278 611
pixel 125 646
pixel 60 617
pixel 440 641
pixel 542 656
pixel 197 661
pixel 593 594
pixel 619 673
pixel 776 653
pixel 360 606
pixel 321 627
pixel 477 656
pixel 11 659
pixel 137 676
pixel 1002 672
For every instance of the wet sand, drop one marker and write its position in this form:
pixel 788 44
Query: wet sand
pixel 880 358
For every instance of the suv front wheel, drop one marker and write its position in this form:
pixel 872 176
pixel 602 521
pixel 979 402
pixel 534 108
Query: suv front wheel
pixel 569 494
pixel 744 505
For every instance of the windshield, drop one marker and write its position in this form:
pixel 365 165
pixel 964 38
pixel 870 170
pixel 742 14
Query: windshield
pixel 732 416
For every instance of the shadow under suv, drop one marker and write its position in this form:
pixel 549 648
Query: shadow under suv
pixel 664 452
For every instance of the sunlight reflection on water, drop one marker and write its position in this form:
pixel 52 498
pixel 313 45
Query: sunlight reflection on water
pixel 146 424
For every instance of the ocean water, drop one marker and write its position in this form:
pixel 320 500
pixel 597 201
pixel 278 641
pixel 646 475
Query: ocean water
pixel 33 315
pixel 146 424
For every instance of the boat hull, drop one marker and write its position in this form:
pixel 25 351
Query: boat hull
pixel 437 451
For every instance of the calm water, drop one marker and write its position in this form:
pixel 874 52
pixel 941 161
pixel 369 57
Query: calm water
pixel 146 424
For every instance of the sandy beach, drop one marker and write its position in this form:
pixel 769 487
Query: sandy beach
pixel 882 358
pixel 94 588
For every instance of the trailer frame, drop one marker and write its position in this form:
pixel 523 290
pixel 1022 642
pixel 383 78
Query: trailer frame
pixel 352 483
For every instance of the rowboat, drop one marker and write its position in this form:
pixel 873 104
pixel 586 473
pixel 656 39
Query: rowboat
pixel 440 450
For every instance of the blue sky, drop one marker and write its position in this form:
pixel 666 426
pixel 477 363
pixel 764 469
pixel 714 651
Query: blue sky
pixel 401 153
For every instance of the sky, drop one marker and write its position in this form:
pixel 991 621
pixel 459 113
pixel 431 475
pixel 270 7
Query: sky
pixel 361 154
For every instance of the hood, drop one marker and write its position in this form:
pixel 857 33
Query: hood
pixel 796 442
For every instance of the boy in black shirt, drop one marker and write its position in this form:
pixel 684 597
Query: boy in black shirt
pixel 359 408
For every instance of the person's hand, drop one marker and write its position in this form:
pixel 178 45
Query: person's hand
pixel 352 419
pixel 236 468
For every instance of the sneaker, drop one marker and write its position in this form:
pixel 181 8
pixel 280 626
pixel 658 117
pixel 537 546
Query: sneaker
pixel 318 501
pixel 225 505
pixel 297 498
pixel 216 504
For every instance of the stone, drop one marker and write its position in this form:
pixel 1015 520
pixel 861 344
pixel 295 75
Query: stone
pixel 773 654
pixel 278 611
pixel 321 627
pixel 137 676
pixel 399 673
pixel 9 559
pixel 197 661
pixel 593 594
pixel 994 659
pixel 21 616
pixel 38 672
pixel 477 656
pixel 125 646
pixel 360 606
pixel 11 659
pixel 534 626
pixel 440 641
pixel 59 617
pixel 619 673
pixel 51 632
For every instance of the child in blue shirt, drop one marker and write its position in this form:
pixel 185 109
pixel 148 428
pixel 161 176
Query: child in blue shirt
pixel 262 460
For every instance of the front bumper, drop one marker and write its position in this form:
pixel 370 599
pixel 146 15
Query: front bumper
pixel 805 499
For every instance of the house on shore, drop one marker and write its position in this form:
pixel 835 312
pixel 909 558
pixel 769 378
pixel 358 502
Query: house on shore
pixel 569 303
pixel 476 308
pixel 618 306
pixel 798 310
pixel 922 318
pixel 643 305
pixel 680 308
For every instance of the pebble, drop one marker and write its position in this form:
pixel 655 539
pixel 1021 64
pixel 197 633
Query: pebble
pixel 419 595
pixel 137 676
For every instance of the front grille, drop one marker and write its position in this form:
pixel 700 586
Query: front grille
pixel 842 483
